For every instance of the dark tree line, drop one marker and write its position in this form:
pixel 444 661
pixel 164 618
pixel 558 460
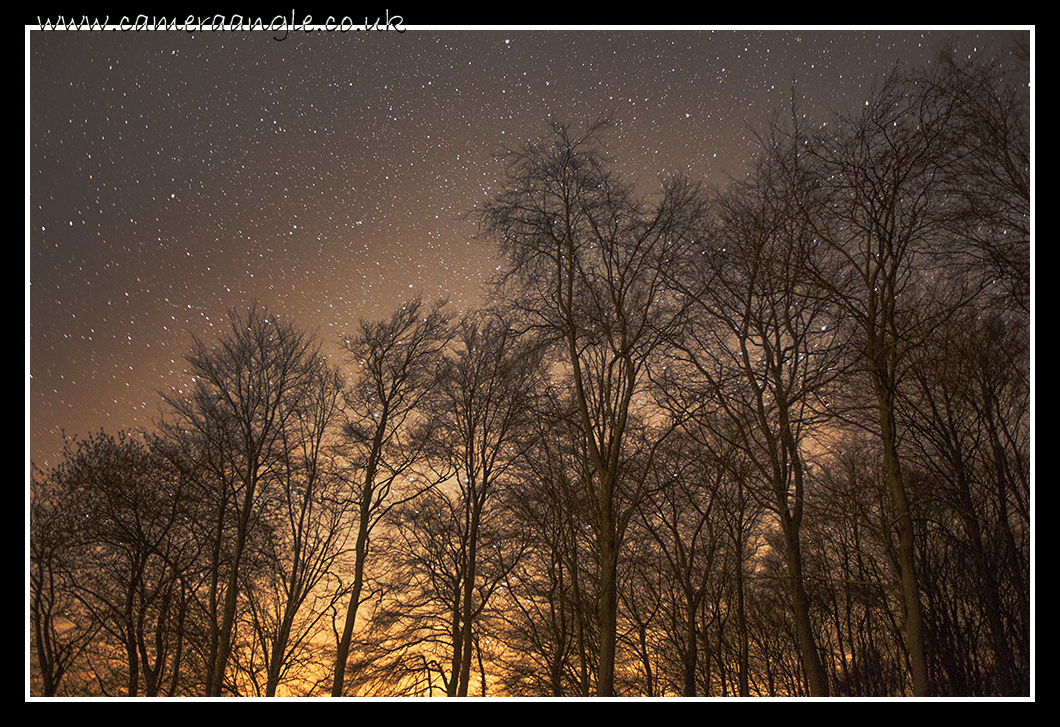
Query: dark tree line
pixel 772 440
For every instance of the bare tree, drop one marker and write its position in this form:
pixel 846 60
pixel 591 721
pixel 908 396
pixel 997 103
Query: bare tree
pixel 851 545
pixel 548 622
pixel 418 643
pixel 60 629
pixel 127 516
pixel 682 529
pixel 762 353
pixel 988 178
pixel 386 440
pixel 883 172
pixel 306 517
pixel 247 387
pixel 968 404
pixel 452 548
pixel 482 407
pixel 586 267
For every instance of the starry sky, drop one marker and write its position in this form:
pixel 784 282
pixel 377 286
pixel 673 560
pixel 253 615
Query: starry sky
pixel 172 175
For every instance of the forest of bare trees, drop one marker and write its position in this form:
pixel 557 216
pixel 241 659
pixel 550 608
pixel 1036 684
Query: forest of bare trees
pixel 765 440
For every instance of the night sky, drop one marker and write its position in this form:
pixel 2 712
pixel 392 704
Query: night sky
pixel 171 175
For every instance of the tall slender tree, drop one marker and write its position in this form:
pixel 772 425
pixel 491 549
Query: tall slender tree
pixel 386 439
pixel 882 170
pixel 307 522
pixel 762 352
pixel 247 386
pixel 481 407
pixel 586 265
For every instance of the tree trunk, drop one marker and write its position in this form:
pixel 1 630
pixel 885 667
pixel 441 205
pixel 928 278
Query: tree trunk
pixel 691 648
pixel 607 611
pixel 469 589
pixel 228 617
pixel 342 651
pixel 816 676
pixel 914 621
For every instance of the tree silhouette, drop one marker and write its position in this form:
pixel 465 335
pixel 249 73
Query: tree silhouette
pixel 586 271
pixel 128 555
pixel 385 439
pixel 248 388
